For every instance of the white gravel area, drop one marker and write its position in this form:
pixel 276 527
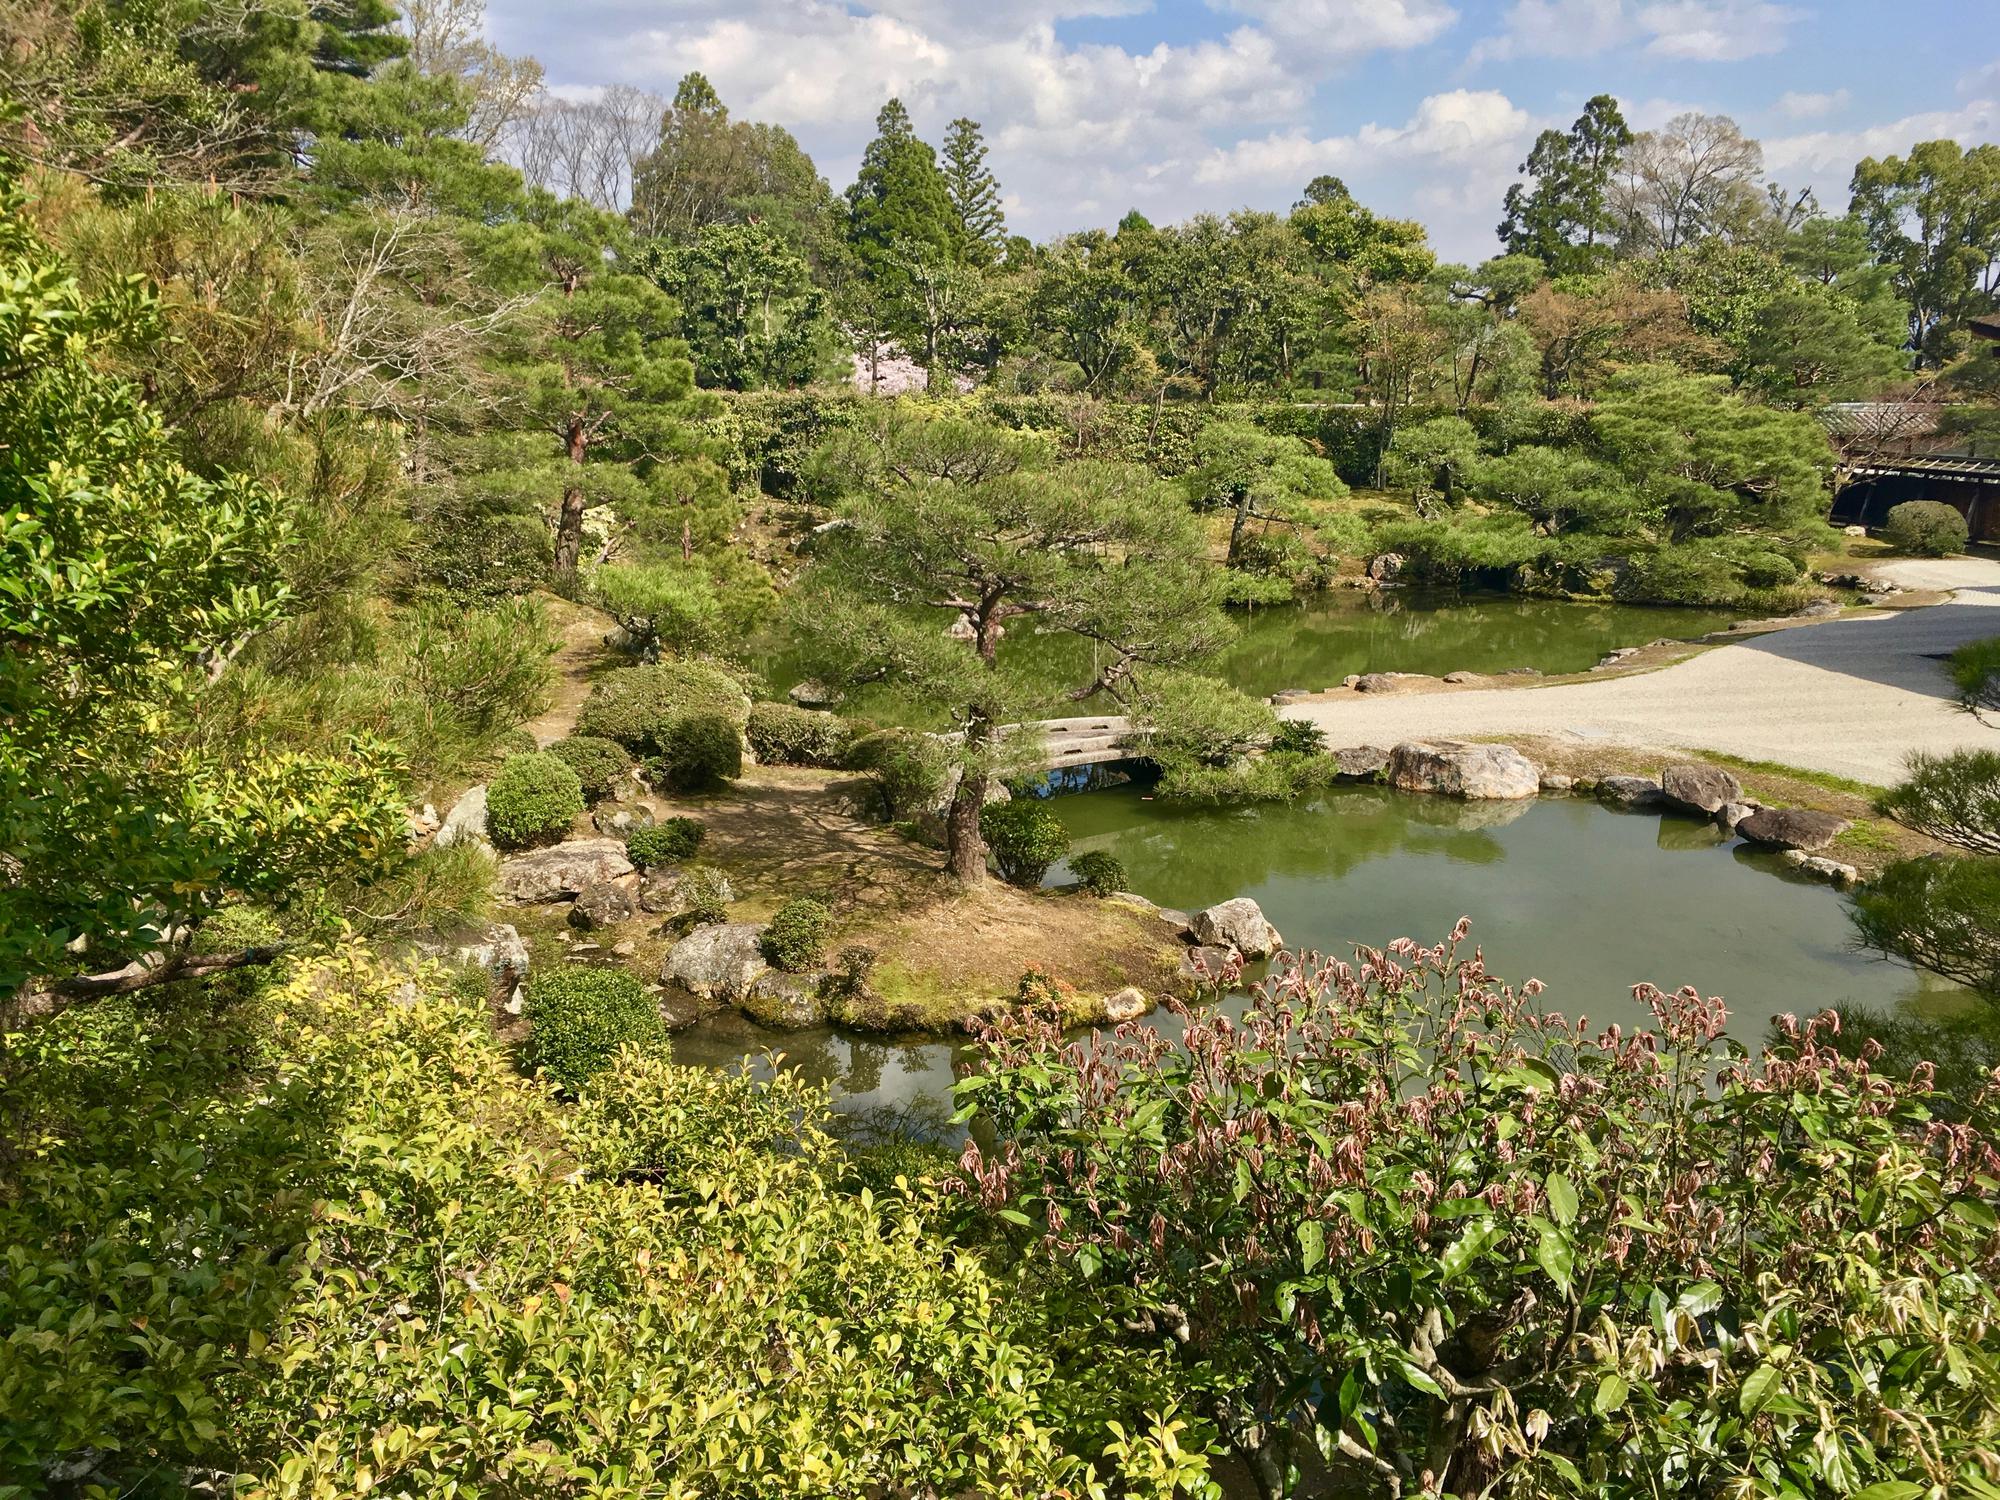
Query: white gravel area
pixel 1852 696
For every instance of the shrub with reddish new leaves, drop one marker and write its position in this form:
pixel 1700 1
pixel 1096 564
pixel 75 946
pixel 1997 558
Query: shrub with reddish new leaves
pixel 1403 1226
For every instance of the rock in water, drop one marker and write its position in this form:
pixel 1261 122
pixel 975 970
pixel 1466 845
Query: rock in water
pixel 1700 789
pixel 1207 966
pixel 1238 924
pixel 1633 793
pixel 1127 1004
pixel 784 1002
pixel 1791 828
pixel 719 961
pixel 561 871
pixel 1481 772
pixel 1730 815
pixel 1360 762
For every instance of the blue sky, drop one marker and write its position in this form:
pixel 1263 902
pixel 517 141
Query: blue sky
pixel 1425 107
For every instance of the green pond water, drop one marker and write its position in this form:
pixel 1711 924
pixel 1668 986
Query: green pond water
pixel 1315 644
pixel 1588 900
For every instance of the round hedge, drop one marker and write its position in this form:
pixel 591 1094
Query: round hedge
pixel 1100 873
pixel 1026 838
pixel 783 735
pixel 581 1016
pixel 795 940
pixel 1926 528
pixel 667 843
pixel 638 706
pixel 598 762
pixel 531 800
pixel 700 751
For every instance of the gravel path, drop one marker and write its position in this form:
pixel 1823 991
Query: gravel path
pixel 1849 696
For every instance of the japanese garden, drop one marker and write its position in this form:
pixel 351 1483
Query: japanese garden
pixel 673 829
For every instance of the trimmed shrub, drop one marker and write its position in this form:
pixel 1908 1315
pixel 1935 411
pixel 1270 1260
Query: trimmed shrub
pixel 908 769
pixel 708 893
pixel 598 762
pixel 1975 671
pixel 1297 737
pixel 582 1016
pixel 639 706
pixel 784 735
pixel 1925 528
pixel 795 941
pixel 1189 717
pixel 531 800
pixel 700 751
pixel 1101 873
pixel 1941 913
pixel 668 843
pixel 1026 838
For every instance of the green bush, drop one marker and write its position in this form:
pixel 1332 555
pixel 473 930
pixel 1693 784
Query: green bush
pixel 1025 838
pixel 669 843
pixel 783 735
pixel 908 770
pixel 1941 913
pixel 1955 798
pixel 638 706
pixel 1101 873
pixel 700 751
pixel 580 1018
pixel 531 800
pixel 1975 672
pixel 598 762
pixel 1297 737
pixel 1925 528
pixel 1282 776
pixel 795 940
pixel 707 893
pixel 1186 716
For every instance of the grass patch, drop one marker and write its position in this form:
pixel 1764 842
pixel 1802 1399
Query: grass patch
pixel 1845 785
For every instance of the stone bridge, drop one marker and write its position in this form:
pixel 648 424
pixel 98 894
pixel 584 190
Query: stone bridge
pixel 1089 741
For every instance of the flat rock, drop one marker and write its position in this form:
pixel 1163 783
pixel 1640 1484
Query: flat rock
pixel 1697 788
pixel 604 904
pixel 1476 772
pixel 1791 828
pixel 719 961
pixel 561 871
pixel 1457 678
pixel 1821 868
pixel 784 1002
pixel 1633 793
pixel 1390 682
pixel 1555 784
pixel 1238 924
pixel 1731 814
pixel 1360 762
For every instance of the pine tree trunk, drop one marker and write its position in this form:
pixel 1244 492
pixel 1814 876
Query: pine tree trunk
pixel 966 859
pixel 569 522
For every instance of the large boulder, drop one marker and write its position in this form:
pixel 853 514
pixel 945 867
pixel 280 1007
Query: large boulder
pixel 719 961
pixel 1791 828
pixel 1125 1005
pixel 466 822
pixel 1729 817
pixel 1238 924
pixel 1696 788
pixel 1477 772
pixel 784 1002
pixel 617 816
pixel 1632 793
pixel 605 904
pixel 662 892
pixel 561 871
pixel 1360 762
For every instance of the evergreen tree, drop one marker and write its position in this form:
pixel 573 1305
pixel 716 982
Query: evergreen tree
pixel 904 228
pixel 975 192
pixel 1565 218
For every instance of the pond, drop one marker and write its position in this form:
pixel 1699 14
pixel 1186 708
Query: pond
pixel 1315 644
pixel 1588 900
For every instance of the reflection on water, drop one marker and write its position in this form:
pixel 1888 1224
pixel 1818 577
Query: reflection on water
pixel 1588 900
pixel 1315 644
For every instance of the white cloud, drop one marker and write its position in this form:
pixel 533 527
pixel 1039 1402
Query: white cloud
pixel 1694 30
pixel 1796 106
pixel 1348 28
pixel 1715 30
pixel 1828 156
pixel 1462 127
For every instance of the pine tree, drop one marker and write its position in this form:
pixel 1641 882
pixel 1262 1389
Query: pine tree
pixel 1564 220
pixel 975 192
